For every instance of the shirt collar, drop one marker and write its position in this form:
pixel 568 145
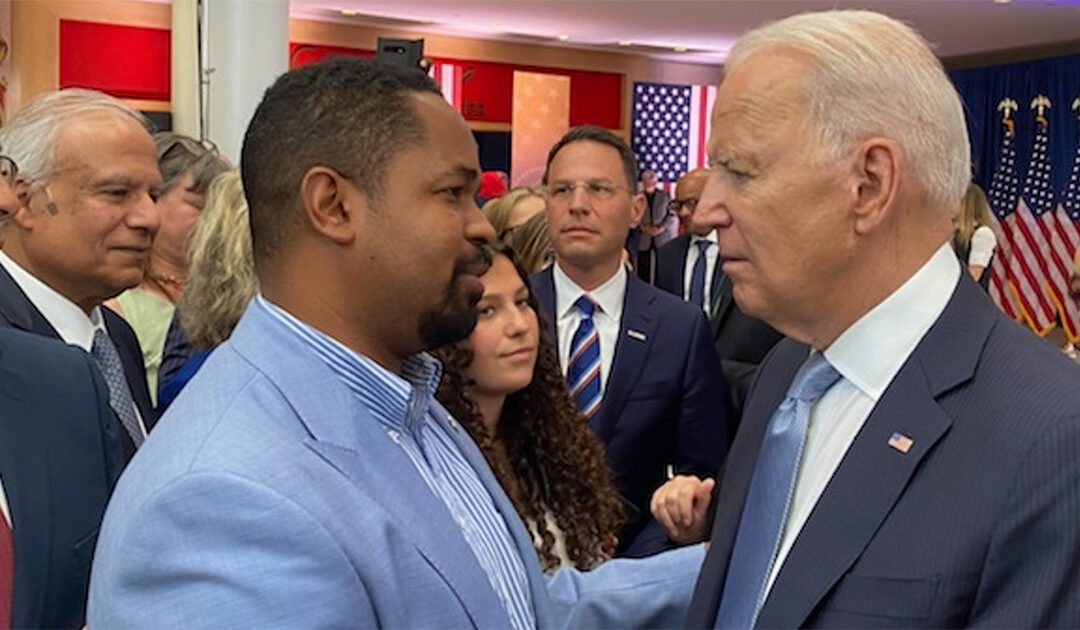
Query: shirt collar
pixel 711 236
pixel 70 322
pixel 873 349
pixel 608 296
pixel 399 401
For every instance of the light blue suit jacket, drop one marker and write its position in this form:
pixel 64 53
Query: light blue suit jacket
pixel 268 496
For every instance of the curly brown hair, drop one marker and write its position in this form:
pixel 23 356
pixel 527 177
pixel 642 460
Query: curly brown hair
pixel 544 454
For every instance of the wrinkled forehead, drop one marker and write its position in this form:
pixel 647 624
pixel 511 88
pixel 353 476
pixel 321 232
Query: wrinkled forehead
pixel 763 94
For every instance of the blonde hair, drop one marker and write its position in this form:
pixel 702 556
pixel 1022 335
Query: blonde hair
pixel 498 210
pixel 531 242
pixel 974 212
pixel 871 75
pixel 221 270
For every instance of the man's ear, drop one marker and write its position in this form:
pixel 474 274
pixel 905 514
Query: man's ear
pixel 24 215
pixel 878 168
pixel 330 204
pixel 637 209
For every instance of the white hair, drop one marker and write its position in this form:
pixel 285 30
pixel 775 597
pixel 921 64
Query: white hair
pixel 29 137
pixel 870 76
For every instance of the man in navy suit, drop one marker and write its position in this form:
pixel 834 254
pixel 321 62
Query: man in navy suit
pixel 688 267
pixel 652 387
pixel 909 456
pixel 60 455
pixel 81 233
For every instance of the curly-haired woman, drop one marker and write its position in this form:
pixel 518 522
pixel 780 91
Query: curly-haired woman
pixel 504 385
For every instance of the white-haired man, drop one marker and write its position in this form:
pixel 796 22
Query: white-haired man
pixel 81 234
pixel 909 457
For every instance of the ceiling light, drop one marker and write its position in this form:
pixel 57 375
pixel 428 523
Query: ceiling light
pixel 1002 1
pixel 348 12
pixel 680 49
pixel 563 37
pixel 626 43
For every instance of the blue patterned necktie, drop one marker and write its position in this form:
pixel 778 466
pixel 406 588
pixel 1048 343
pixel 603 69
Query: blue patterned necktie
pixel 108 362
pixel 583 371
pixel 697 275
pixel 769 497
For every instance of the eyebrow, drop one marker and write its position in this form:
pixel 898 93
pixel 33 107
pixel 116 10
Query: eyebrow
pixel 467 172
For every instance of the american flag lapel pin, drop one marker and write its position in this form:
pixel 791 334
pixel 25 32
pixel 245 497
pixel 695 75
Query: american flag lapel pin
pixel 901 442
pixel 635 334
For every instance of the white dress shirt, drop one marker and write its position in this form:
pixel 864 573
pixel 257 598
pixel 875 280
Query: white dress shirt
pixel 74 326
pixel 607 317
pixel 868 355
pixel 711 256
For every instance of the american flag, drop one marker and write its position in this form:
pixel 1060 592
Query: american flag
pixel 1038 219
pixel 450 77
pixel 670 127
pixel 1024 269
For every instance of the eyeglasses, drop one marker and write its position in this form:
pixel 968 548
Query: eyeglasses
pixel 676 204
pixel 8 169
pixel 562 192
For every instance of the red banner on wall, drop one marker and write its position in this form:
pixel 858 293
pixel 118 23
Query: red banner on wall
pixel 125 61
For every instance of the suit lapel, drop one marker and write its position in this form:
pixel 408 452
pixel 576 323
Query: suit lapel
pixel 872 476
pixel 544 288
pixel 26 486
pixel 345 435
pixel 723 300
pixel 18 311
pixel 633 346
pixel 860 495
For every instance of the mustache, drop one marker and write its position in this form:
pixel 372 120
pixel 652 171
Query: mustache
pixel 477 264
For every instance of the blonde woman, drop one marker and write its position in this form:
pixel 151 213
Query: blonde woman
pixel 531 241
pixel 508 212
pixel 221 282
pixel 974 240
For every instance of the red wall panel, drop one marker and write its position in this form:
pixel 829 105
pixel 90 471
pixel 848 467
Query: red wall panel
pixel 125 61
pixel 487 89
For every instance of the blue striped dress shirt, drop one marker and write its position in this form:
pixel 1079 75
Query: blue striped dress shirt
pixel 404 405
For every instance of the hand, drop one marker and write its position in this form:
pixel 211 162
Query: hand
pixel 681 507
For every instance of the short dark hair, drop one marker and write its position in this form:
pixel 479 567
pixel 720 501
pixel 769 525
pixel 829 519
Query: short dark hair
pixel 603 136
pixel 350 115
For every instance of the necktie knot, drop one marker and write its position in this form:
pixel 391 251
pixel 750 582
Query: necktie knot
pixel 586 306
pixel 815 377
pixel 703 245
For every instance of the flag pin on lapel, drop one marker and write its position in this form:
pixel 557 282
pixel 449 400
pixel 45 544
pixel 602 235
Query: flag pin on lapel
pixel 635 334
pixel 901 442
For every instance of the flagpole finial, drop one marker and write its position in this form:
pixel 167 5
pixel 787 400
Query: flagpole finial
pixel 1076 107
pixel 1040 104
pixel 1007 106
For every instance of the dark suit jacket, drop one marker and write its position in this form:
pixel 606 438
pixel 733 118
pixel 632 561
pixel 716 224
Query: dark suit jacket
pixel 60 455
pixel 664 401
pixel 741 341
pixel 17 311
pixel 976 525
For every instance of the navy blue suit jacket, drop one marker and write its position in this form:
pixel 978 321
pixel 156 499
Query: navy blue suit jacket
pixel 976 525
pixel 60 455
pixel 665 400
pixel 740 340
pixel 17 311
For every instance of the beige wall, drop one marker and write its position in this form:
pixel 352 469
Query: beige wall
pixel 35 47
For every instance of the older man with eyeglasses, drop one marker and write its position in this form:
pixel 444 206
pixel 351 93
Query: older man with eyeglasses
pixel 59 458
pixel 638 361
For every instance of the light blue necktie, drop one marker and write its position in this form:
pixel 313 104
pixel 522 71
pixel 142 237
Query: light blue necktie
pixel 697 275
pixel 769 498
pixel 583 370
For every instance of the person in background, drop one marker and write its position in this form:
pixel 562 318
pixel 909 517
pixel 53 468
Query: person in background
pixel 690 267
pixel 221 282
pixel 974 241
pixel 187 168
pixel 504 385
pixel 512 209
pixel 533 244
pixel 658 226
pixel 493 184
pixel 639 361
pixel 82 233
pixel 61 452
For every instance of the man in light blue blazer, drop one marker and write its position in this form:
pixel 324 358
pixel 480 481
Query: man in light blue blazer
pixel 306 477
